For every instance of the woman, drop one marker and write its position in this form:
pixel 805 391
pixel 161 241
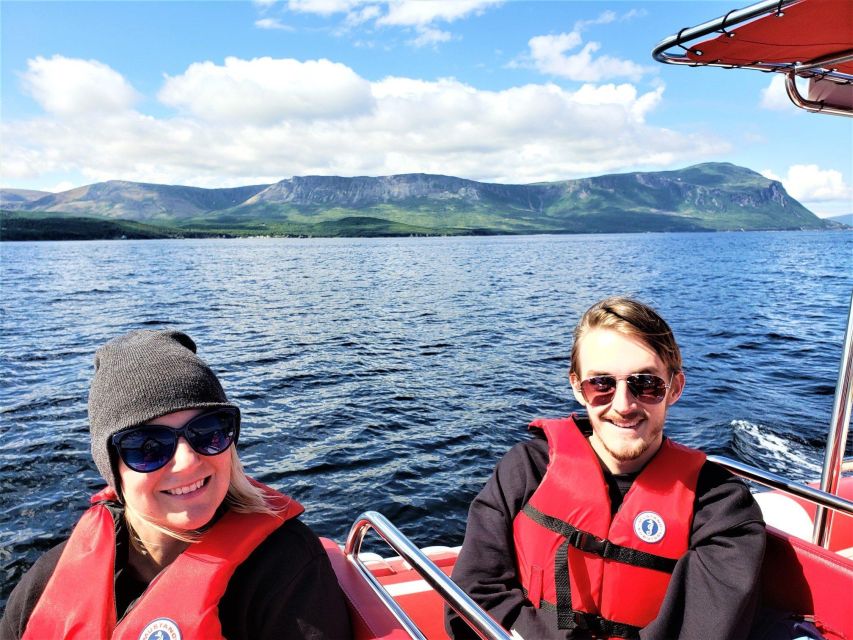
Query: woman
pixel 181 544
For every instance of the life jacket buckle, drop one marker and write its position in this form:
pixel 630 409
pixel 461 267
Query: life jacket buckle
pixel 586 541
pixel 585 621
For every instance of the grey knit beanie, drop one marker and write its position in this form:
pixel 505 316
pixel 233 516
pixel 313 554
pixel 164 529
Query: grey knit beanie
pixel 141 376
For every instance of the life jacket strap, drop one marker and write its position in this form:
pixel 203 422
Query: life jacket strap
pixel 590 543
pixel 567 617
pixel 593 623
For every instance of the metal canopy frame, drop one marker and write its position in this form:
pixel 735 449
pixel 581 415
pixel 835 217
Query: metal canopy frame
pixel 811 105
pixel 822 69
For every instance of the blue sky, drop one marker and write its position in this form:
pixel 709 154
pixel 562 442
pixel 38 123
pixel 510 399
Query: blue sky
pixel 219 94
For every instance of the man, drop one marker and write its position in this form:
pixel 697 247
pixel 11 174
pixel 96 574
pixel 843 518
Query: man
pixel 572 553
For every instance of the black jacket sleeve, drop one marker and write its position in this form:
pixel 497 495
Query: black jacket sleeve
pixel 26 594
pixel 285 590
pixel 713 590
pixel 485 568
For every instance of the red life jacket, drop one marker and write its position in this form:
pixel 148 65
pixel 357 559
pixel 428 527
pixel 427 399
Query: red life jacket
pixel 182 601
pixel 608 576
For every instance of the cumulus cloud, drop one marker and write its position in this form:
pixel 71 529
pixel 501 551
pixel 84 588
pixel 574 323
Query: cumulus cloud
pixel 550 55
pixel 69 86
pixel 810 183
pixel 266 90
pixel 774 96
pixel 252 121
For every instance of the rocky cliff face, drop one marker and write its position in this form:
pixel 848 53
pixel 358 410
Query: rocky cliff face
pixel 709 188
pixel 361 192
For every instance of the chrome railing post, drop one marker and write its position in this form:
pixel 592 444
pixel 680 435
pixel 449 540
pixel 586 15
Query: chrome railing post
pixel 469 610
pixel 836 441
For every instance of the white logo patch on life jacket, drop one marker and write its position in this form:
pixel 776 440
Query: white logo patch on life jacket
pixel 649 527
pixel 161 629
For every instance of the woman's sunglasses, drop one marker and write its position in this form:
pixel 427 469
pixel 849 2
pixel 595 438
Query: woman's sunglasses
pixel 645 387
pixel 150 446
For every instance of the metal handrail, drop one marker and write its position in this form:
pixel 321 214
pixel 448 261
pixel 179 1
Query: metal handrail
pixel 467 609
pixel 773 480
pixel 836 441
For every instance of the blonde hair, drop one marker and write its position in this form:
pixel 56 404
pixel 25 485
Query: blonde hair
pixel 242 497
pixel 633 318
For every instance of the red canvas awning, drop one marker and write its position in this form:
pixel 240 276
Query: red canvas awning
pixel 810 39
pixel 802 33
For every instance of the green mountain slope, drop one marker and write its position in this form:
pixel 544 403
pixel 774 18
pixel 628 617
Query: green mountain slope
pixel 705 197
pixel 137 200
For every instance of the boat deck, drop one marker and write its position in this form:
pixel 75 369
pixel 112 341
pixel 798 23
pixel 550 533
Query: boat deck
pixel 798 577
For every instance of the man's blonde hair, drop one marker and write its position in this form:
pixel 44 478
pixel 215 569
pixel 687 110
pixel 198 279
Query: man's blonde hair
pixel 633 318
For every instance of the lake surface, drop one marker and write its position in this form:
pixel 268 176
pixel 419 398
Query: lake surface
pixel 391 374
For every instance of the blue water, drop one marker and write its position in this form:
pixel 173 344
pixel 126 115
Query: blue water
pixel 390 374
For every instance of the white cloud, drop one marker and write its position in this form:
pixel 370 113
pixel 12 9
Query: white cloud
pixel 774 96
pixel 809 183
pixel 362 15
pixel 419 16
pixel 425 12
pixel 263 91
pixel 549 48
pixel 428 36
pixel 323 7
pixel 272 24
pixel 549 55
pixel 251 121
pixel 605 18
pixel 59 187
pixel 69 86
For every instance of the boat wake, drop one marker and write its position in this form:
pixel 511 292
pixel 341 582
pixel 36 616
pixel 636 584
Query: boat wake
pixel 758 445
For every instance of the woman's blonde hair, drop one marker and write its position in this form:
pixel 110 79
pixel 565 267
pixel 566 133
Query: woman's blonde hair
pixel 633 318
pixel 242 497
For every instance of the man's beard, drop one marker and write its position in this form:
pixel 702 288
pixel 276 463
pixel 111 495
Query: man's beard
pixel 633 450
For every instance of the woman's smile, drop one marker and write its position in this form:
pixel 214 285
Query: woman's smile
pixel 188 489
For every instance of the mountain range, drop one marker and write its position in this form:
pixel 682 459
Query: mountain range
pixel 704 197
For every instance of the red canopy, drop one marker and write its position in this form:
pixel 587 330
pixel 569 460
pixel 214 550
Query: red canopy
pixel 801 33
pixel 810 39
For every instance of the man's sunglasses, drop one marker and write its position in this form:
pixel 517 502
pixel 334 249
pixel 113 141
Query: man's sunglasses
pixel 149 447
pixel 645 387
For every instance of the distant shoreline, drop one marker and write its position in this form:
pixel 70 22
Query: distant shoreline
pixel 17 228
